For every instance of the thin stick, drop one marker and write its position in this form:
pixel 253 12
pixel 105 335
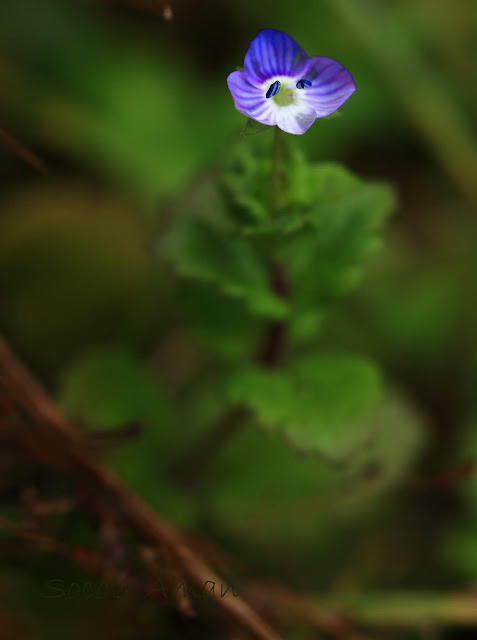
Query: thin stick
pixel 22 152
pixel 55 439
pixel 288 603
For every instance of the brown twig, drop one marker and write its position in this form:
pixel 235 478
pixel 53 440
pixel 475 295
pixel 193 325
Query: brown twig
pixel 35 539
pixel 88 560
pixel 22 152
pixel 36 509
pixel 282 602
pixel 445 479
pixel 52 438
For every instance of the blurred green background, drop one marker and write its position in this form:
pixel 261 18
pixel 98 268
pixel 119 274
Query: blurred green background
pixel 125 104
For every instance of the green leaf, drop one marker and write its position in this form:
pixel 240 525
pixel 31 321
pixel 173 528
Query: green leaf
pixel 317 404
pixel 325 257
pixel 258 472
pixel 305 189
pixel 263 490
pixel 109 388
pixel 246 180
pixel 206 253
pixel 252 128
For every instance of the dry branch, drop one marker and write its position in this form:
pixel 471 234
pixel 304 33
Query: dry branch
pixel 31 419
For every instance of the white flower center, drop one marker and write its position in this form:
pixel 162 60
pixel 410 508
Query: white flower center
pixel 288 93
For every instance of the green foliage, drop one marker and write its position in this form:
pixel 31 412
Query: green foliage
pixel 110 388
pixel 246 180
pixel 205 253
pixel 325 257
pixel 147 141
pixel 263 490
pixel 327 224
pixel 318 482
pixel 255 483
pixel 317 403
pixel 308 191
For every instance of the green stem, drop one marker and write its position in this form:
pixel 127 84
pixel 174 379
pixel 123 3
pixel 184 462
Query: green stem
pixel 190 469
pixel 276 179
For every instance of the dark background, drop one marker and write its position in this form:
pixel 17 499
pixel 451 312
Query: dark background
pixel 123 105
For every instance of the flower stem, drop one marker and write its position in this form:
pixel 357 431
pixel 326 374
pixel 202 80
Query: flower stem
pixel 190 470
pixel 275 177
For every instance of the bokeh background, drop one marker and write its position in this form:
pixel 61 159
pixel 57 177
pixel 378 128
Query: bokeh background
pixel 114 115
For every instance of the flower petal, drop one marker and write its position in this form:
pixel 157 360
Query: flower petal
pixel 332 85
pixel 251 100
pixel 295 119
pixel 273 53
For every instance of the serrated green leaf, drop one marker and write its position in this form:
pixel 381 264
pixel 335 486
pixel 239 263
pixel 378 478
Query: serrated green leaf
pixel 205 253
pixel 304 189
pixel 317 404
pixel 325 257
pixel 246 180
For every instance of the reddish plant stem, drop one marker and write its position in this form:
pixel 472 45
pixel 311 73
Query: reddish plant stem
pixel 190 469
pixel 271 351
pixel 22 152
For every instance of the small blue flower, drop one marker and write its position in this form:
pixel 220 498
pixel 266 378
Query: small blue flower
pixel 280 85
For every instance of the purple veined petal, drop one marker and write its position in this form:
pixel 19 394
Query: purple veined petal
pixel 332 85
pixel 296 119
pixel 273 53
pixel 251 100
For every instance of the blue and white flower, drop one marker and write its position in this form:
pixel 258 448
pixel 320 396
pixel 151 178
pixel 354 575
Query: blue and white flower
pixel 280 85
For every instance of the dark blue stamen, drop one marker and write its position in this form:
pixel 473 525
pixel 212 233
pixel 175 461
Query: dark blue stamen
pixel 273 89
pixel 301 84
